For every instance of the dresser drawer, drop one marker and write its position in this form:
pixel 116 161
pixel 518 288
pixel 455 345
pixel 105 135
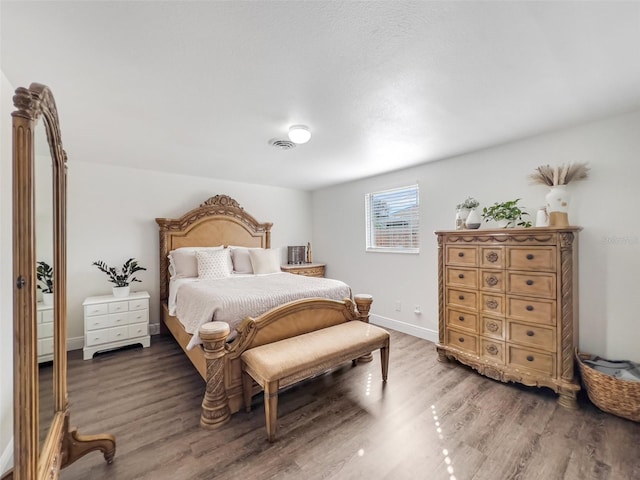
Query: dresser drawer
pixel 462 277
pixel 463 341
pixel 106 321
pixel 492 257
pixel 492 350
pixel 531 310
pixel 532 335
pixel 117 307
pixel 532 284
pixel 138 316
pixel 531 359
pixel 492 280
pixel 493 304
pixel 45 316
pixel 99 309
pixel 142 304
pixel 462 256
pixel 138 330
pixel 462 319
pixel 45 330
pixel 462 298
pixel 45 346
pixel 531 258
pixel 106 335
pixel 492 327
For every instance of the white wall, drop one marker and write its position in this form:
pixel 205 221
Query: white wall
pixel 605 205
pixel 6 284
pixel 111 217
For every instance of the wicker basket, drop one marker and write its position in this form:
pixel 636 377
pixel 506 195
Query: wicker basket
pixel 613 395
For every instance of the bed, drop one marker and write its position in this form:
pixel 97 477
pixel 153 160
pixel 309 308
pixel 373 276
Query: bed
pixel 221 221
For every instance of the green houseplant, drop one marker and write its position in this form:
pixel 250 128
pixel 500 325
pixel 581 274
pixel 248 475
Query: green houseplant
pixel 44 274
pixel 507 214
pixel 121 277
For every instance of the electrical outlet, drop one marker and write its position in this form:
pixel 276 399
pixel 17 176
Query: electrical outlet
pixel 398 306
pixel 417 310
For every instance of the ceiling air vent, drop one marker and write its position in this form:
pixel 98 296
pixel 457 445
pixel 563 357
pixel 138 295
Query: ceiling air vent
pixel 282 144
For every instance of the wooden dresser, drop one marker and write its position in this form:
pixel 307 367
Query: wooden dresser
pixel 508 304
pixel 307 269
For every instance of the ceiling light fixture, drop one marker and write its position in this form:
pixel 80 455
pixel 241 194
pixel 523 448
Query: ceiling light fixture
pixel 299 134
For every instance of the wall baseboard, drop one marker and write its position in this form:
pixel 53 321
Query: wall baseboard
pixel 75 343
pixel 6 459
pixel 154 329
pixel 420 332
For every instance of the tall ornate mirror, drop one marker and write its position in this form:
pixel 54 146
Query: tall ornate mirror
pixel 43 440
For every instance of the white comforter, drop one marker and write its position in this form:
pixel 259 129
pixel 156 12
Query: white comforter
pixel 232 299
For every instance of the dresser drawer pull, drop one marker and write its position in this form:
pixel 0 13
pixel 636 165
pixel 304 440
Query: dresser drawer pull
pixel 492 257
pixel 492 281
pixel 530 256
pixel 530 358
pixel 529 308
pixel 461 318
pixel 530 333
pixel 492 349
pixel 461 254
pixel 529 282
pixel 461 340
pixel 461 275
pixel 460 297
pixel 492 326
pixel 492 304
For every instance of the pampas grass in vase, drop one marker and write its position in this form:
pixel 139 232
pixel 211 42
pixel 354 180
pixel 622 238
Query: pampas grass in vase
pixel 557 178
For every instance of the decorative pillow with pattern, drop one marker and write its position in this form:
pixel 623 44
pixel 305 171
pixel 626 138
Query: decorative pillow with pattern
pixel 183 262
pixel 213 264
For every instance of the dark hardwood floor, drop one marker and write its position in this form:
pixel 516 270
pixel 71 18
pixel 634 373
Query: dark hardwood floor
pixel 432 421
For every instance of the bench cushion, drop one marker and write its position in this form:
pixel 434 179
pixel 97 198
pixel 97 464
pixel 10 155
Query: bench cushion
pixel 306 355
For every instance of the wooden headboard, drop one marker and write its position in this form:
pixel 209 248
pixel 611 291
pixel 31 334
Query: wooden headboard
pixel 218 221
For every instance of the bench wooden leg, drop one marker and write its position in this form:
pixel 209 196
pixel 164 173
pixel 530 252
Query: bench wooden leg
pixel 384 361
pixel 271 408
pixel 247 390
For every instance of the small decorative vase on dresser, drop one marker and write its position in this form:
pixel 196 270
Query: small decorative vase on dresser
pixel 508 305
pixel 112 322
pixel 307 269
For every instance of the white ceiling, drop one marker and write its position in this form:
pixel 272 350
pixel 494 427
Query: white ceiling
pixel 201 87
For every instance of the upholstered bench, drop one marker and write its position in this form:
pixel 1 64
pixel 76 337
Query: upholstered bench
pixel 277 365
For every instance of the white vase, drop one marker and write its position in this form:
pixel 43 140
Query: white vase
pixel 461 218
pixel 558 206
pixel 473 220
pixel 542 218
pixel 505 223
pixel 121 292
pixel 47 298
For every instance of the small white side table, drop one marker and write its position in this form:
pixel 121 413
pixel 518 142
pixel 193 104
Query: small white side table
pixel 111 322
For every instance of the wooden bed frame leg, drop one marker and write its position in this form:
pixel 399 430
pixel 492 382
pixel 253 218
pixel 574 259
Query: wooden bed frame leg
pixel 215 406
pixel 363 302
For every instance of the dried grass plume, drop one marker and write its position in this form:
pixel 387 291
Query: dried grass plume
pixel 560 174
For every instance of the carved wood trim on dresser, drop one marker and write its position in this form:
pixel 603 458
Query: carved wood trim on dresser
pixel 507 305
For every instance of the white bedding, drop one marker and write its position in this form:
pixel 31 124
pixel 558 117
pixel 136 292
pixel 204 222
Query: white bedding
pixel 234 298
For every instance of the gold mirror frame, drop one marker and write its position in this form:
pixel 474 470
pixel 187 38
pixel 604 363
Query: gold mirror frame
pixel 62 445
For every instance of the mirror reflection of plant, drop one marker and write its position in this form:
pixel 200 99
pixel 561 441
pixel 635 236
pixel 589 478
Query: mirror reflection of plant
pixel 121 277
pixel 44 274
pixel 509 211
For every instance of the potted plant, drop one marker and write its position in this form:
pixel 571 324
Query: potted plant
pixel 122 277
pixel 462 212
pixel 44 274
pixel 506 214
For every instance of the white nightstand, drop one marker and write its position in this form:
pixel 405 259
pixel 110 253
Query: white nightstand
pixel 45 333
pixel 111 322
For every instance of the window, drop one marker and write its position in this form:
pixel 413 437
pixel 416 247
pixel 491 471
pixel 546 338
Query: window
pixel 392 220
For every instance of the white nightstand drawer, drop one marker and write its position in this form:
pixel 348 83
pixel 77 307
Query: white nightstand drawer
pixel 106 335
pixel 45 330
pixel 45 347
pixel 142 304
pixel 99 309
pixel 45 316
pixel 118 307
pixel 107 321
pixel 138 316
pixel 138 330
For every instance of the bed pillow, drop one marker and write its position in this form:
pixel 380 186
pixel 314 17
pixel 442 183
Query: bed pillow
pixel 241 260
pixel 213 264
pixel 183 262
pixel 265 261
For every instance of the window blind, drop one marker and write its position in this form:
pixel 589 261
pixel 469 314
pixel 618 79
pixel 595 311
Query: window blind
pixel 392 220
